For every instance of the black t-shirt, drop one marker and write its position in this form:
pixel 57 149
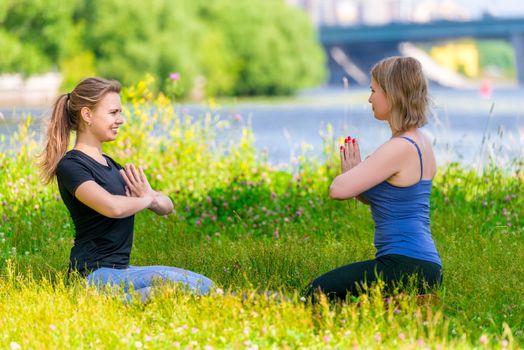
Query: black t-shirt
pixel 99 241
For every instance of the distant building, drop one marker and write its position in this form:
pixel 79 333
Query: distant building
pixel 378 12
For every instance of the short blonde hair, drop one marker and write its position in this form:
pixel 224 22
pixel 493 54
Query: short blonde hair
pixel 406 90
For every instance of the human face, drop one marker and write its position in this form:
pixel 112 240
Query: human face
pixel 379 102
pixel 106 118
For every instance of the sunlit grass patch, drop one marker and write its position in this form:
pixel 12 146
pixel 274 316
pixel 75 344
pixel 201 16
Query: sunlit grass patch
pixel 253 228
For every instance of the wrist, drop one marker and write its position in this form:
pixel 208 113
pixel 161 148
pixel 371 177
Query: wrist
pixel 153 200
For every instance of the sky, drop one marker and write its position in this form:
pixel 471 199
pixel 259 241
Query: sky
pixel 505 8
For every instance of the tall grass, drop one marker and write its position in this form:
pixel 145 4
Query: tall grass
pixel 251 227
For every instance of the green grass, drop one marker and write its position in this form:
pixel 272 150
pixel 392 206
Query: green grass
pixel 250 228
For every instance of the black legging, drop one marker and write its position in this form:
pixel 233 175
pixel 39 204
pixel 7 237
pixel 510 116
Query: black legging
pixel 393 269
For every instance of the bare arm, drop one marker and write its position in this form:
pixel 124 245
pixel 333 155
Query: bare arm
pixel 385 162
pixel 113 206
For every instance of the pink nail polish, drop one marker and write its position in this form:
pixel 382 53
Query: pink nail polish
pixel 354 140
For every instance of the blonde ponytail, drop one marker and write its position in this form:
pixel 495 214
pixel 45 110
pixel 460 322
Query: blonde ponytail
pixel 66 118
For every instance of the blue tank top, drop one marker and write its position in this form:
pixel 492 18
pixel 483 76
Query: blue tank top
pixel 401 216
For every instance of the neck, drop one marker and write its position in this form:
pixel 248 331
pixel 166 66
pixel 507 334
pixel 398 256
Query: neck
pixel 89 145
pixel 403 133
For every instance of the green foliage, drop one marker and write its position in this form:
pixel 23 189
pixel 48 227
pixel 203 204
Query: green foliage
pixel 41 28
pixel 222 47
pixel 274 46
pixel 251 227
pixel 498 54
pixel 19 57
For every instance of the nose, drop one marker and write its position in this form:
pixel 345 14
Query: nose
pixel 119 119
pixel 369 99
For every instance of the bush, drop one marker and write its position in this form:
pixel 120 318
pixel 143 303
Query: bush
pixel 223 47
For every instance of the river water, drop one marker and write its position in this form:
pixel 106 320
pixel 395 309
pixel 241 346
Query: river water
pixel 464 126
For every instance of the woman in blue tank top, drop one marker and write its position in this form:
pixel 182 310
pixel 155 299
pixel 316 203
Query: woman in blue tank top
pixel 395 181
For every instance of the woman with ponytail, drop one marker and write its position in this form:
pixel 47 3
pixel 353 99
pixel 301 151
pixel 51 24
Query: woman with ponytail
pixel 102 196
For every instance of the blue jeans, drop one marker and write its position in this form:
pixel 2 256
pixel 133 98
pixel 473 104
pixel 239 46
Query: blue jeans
pixel 142 278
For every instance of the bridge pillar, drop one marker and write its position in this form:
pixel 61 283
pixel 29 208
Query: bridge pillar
pixel 361 56
pixel 518 45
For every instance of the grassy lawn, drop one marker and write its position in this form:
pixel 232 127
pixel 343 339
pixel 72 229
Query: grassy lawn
pixel 251 228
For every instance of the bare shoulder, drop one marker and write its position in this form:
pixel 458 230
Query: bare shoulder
pixel 393 148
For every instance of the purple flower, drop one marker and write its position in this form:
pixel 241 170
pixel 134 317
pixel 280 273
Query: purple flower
pixel 174 76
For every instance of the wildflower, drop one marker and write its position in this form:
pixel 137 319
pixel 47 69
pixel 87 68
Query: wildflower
pixel 175 76
pixel 401 336
pixel 194 330
pixel 219 291
pixel 138 344
pixel 148 338
pixel 420 342
pixel 377 337
pixel 276 234
pixel 14 346
pixel 483 339
pixel 326 338
pixel 217 234
pixel 396 311
pixel 237 117
pixel 504 343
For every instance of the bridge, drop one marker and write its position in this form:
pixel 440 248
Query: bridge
pixel 352 50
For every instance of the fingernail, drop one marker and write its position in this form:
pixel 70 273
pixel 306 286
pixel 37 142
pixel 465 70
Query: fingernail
pixel 341 148
pixel 354 140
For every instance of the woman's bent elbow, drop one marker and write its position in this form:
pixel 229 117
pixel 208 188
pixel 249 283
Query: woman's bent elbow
pixel 338 193
pixel 335 193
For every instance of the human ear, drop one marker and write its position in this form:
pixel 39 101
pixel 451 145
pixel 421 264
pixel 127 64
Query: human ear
pixel 85 112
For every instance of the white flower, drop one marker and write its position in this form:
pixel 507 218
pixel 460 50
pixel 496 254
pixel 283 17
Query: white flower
pixel 14 346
